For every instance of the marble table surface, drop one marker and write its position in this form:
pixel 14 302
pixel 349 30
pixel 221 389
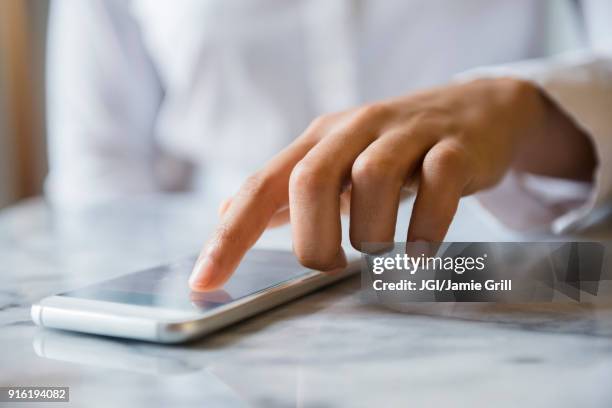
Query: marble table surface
pixel 327 349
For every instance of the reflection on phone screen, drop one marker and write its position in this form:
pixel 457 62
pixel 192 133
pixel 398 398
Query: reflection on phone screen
pixel 166 286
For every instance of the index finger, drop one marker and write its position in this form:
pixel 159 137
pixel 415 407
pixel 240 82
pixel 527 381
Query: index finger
pixel 246 218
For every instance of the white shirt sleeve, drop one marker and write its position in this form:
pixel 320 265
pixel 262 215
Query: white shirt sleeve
pixel 103 96
pixel 580 83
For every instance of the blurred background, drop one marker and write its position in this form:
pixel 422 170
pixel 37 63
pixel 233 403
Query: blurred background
pixel 23 25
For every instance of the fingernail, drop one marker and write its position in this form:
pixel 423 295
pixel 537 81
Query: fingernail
pixel 340 263
pixel 418 247
pixel 202 273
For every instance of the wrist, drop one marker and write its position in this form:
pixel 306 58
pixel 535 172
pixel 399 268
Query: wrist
pixel 550 143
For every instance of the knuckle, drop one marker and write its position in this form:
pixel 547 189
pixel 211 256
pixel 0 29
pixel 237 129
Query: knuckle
pixel 450 158
pixel 368 115
pixel 307 176
pixel 431 114
pixel 367 169
pixel 373 111
pixel 319 125
pixel 321 121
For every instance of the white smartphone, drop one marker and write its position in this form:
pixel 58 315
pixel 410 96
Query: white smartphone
pixel 157 305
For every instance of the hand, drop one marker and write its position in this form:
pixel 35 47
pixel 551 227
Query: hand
pixel 453 140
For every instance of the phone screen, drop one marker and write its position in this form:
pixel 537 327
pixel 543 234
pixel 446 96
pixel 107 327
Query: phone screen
pixel 166 286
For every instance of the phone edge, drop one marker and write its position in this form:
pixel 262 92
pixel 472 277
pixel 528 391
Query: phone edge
pixel 168 332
